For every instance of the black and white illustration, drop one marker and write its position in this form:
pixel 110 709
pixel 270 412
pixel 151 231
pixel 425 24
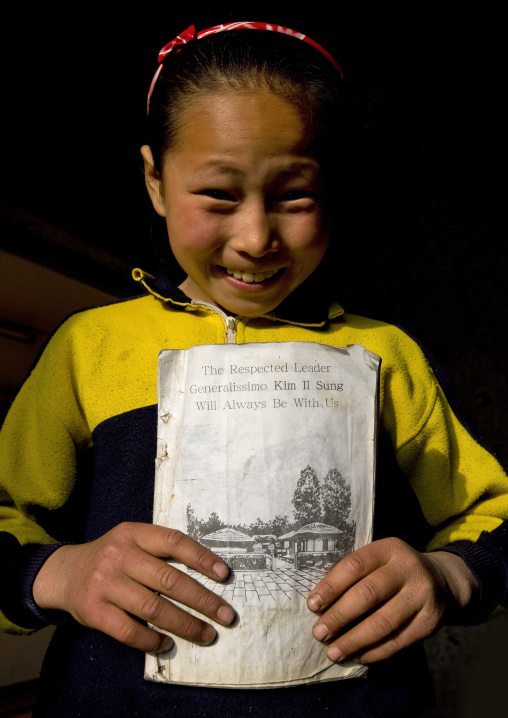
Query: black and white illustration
pixel 265 456
pixel 282 556
pixel 320 533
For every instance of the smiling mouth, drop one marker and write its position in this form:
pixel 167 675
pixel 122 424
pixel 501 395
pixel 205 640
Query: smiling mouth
pixel 251 277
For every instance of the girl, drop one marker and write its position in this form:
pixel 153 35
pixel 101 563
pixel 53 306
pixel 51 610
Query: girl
pixel 246 128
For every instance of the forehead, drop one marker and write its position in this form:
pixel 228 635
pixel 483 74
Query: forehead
pixel 240 122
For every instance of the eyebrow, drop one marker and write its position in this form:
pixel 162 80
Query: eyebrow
pixel 303 167
pixel 309 167
pixel 220 167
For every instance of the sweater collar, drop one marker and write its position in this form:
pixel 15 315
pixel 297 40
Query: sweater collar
pixel 308 305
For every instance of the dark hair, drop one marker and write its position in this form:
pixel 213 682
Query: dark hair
pixel 253 59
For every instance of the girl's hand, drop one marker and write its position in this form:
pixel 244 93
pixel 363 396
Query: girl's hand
pixel 100 583
pixel 386 596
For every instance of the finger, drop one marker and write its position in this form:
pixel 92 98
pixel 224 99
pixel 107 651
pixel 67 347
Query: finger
pixel 178 585
pixel 113 621
pixel 171 543
pixel 347 572
pixel 375 628
pixel 357 601
pixel 154 609
pixel 415 628
pixel 386 649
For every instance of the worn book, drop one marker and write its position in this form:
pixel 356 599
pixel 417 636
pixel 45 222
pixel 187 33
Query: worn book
pixel 266 455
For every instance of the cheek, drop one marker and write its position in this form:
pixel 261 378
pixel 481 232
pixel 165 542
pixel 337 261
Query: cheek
pixel 308 232
pixel 309 245
pixel 190 229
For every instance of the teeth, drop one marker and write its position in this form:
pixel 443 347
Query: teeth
pixel 249 277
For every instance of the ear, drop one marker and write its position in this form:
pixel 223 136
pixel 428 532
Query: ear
pixel 153 181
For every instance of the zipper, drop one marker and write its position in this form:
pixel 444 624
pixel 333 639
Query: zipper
pixel 230 322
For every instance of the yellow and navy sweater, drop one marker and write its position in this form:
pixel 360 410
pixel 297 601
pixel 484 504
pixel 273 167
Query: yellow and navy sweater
pixel 77 448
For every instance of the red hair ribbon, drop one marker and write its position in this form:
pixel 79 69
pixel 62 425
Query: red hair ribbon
pixel 190 34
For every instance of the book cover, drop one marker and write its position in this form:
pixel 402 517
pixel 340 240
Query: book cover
pixel 266 455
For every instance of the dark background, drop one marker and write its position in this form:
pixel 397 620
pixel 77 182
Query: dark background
pixel 426 245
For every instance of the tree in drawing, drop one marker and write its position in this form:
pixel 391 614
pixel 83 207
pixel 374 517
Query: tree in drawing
pixel 197 528
pixel 307 497
pixel 336 499
pixel 336 504
pixel 192 523
pixel 280 525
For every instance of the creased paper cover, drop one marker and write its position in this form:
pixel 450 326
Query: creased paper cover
pixel 266 455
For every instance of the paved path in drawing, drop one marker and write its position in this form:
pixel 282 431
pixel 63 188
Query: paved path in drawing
pixel 253 586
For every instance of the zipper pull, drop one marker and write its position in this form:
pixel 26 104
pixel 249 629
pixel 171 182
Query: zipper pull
pixel 231 327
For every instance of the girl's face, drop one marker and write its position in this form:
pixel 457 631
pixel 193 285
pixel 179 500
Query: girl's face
pixel 243 200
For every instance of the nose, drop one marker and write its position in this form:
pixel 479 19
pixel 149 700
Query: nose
pixel 254 232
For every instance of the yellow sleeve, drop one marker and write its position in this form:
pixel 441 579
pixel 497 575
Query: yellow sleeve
pixel 461 487
pixel 38 447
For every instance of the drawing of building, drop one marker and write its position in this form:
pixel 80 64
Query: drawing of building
pixel 313 545
pixel 265 542
pixel 236 549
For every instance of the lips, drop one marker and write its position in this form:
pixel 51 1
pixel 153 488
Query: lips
pixel 250 277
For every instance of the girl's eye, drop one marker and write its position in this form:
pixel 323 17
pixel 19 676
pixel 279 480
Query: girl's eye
pixel 219 194
pixel 296 195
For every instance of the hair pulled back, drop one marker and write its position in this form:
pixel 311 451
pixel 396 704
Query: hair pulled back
pixel 251 59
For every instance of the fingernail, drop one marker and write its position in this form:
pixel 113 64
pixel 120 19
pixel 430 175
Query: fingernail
pixel 220 570
pixel 320 632
pixel 315 602
pixel 225 614
pixel 334 654
pixel 166 645
pixel 208 635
